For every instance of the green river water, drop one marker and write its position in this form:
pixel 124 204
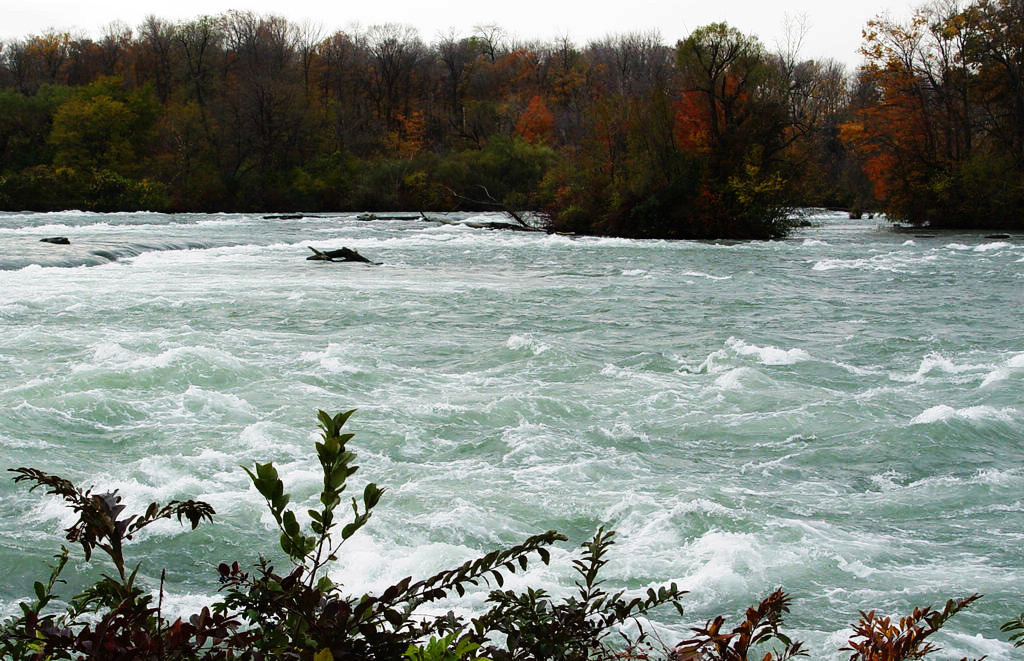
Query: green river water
pixel 840 413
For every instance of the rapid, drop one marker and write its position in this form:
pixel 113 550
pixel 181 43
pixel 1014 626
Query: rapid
pixel 840 413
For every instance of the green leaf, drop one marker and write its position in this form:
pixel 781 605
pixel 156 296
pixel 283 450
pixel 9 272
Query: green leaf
pixel 393 617
pixel 342 418
pixel 266 472
pixel 371 495
pixel 291 526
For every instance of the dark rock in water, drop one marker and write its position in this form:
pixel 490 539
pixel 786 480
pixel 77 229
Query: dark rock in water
pixel 997 236
pixel 289 216
pixel 340 255
pixel 59 240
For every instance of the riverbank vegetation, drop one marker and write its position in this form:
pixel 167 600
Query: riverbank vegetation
pixel 303 612
pixel 716 136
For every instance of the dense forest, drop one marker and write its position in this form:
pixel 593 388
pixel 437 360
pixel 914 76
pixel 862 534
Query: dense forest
pixel 716 136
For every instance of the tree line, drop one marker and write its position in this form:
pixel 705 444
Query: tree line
pixel 716 136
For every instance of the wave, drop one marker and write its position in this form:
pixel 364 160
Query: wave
pixel 517 342
pixel 945 413
pixel 936 362
pixel 996 245
pixel 897 262
pixel 700 274
pixel 83 255
pixel 1003 372
pixel 768 355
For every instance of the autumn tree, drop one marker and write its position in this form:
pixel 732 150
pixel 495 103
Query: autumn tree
pixel 536 122
pixel 941 139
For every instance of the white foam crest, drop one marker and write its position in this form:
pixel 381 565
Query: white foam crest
pixel 995 245
pixel 895 262
pixel 517 342
pixel 1004 371
pixel 714 362
pixel 853 369
pixel 933 362
pixel 977 646
pixel 180 354
pixel 642 517
pixel 263 439
pixel 945 413
pixel 634 272
pixel 1011 478
pixel 368 566
pixel 658 382
pixel 889 480
pixel 769 355
pixel 701 274
pixel 432 407
pixel 181 255
pixel 112 352
pixel 211 401
pixel 910 242
pixel 226 221
pixel 957 246
pixel 764 466
pixel 335 358
pixel 833 264
pixel 733 379
pixel 622 430
pixel 63 229
pixel 856 567
pixel 734 563
pixel 530 439
pixel 175 605
pixel 814 242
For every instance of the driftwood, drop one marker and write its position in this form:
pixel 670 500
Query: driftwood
pixel 491 202
pixel 340 255
pixel 58 240
pixel 373 216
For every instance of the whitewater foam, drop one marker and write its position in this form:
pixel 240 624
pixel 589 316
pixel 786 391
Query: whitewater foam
pixel 1009 368
pixel 768 355
pixel 945 413
pixel 517 342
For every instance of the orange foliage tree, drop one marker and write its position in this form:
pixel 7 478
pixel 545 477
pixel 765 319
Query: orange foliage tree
pixel 536 124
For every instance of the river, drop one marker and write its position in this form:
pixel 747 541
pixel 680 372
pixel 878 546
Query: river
pixel 840 413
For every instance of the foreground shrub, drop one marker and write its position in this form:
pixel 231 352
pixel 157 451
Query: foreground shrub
pixel 300 613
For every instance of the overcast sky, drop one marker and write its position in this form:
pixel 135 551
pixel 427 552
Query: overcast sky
pixel 833 27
